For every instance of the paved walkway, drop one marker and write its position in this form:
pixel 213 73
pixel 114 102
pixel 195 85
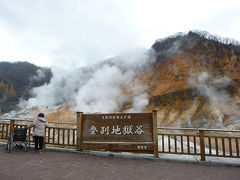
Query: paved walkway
pixel 66 165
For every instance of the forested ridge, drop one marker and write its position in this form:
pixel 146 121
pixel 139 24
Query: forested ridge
pixel 16 81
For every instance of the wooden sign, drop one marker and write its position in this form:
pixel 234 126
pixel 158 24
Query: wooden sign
pixel 132 132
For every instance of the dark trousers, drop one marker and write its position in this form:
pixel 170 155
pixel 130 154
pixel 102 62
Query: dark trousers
pixel 38 141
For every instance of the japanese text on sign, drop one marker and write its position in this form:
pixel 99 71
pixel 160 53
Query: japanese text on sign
pixel 116 130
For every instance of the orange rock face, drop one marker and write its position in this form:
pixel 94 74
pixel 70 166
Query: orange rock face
pixel 179 101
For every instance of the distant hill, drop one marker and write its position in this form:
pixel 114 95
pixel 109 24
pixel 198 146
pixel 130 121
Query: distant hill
pixel 195 81
pixel 16 79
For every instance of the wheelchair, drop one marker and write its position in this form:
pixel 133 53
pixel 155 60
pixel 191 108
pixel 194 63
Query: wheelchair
pixel 17 139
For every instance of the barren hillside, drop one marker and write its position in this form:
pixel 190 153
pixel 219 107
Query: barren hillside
pixel 195 82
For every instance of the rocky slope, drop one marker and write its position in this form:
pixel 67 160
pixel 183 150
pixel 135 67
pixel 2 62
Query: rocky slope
pixel 195 82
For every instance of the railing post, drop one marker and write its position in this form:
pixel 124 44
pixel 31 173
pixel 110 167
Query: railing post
pixel 79 130
pixel 44 138
pixel 202 145
pixel 11 127
pixel 155 133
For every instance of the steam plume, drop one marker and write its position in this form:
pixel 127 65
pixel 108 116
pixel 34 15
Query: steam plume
pixel 104 87
pixel 221 101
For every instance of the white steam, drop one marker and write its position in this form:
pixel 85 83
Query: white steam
pixel 221 101
pixel 102 93
pixel 40 75
pixel 105 87
pixel 139 102
pixel 210 91
pixel 175 48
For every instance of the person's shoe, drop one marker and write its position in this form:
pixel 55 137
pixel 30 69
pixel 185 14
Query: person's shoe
pixel 40 151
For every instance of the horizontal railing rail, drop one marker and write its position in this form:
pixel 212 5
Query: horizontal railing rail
pixel 30 120
pixel 203 142
pixel 197 129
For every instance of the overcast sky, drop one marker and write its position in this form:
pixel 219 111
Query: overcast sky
pixel 74 33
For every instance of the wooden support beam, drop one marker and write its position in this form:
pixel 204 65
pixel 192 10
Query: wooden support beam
pixel 79 130
pixel 11 127
pixel 202 145
pixel 155 133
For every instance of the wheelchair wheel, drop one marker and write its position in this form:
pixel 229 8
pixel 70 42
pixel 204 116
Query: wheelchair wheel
pixel 9 144
pixel 27 144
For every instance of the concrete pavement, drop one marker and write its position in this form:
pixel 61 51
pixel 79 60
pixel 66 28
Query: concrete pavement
pixel 212 161
pixel 55 163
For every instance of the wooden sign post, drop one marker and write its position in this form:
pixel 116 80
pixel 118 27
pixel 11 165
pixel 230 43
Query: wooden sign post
pixel 155 133
pixel 79 130
pixel 131 132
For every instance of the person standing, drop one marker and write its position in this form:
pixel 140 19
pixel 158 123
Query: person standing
pixel 39 126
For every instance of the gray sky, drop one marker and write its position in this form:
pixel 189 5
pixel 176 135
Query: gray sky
pixel 74 33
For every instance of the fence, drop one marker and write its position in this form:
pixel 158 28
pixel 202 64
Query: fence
pixel 202 142
pixel 183 141
pixel 59 136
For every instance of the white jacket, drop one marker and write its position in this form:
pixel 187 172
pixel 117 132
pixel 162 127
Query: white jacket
pixel 39 126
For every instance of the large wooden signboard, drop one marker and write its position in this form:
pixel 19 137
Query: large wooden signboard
pixel 134 132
